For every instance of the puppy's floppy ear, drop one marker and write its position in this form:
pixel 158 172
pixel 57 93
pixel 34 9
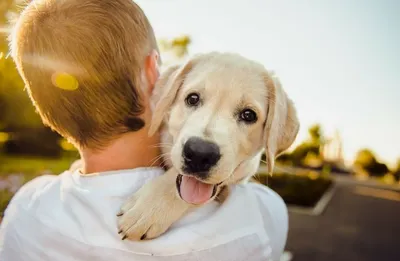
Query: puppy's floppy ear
pixel 282 124
pixel 168 84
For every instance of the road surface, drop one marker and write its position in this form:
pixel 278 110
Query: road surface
pixel 359 223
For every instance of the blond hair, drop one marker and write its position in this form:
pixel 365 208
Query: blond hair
pixel 99 48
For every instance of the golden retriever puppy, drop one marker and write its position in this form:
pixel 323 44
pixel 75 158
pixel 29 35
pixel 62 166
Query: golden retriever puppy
pixel 218 113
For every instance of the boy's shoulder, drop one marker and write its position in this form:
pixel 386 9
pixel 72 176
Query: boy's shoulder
pixel 270 204
pixel 30 192
pixel 35 185
pixel 266 197
pixel 274 214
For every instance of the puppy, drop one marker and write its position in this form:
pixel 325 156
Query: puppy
pixel 218 113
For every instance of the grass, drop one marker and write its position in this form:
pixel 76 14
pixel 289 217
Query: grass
pixel 31 167
pixel 300 190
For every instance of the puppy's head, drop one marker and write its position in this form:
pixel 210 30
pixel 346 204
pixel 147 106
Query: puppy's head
pixel 221 111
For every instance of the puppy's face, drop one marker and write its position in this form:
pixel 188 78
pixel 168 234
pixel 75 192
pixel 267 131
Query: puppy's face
pixel 216 120
pixel 217 117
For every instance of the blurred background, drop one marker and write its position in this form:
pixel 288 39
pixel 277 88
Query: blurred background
pixel 340 63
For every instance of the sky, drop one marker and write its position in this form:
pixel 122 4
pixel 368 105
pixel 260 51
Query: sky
pixel 339 60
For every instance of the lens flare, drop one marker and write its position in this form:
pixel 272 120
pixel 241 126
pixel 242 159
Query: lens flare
pixel 4 137
pixel 65 81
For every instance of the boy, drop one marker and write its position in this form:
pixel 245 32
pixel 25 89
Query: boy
pixel 89 67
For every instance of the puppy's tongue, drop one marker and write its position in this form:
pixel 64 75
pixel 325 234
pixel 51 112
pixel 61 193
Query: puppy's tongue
pixel 194 191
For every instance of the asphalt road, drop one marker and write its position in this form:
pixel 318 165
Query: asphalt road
pixel 359 223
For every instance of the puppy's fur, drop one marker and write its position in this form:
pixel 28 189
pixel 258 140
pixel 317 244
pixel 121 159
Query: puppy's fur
pixel 228 84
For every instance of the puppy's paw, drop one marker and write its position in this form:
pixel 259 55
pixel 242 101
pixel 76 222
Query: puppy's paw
pixel 151 210
pixel 141 219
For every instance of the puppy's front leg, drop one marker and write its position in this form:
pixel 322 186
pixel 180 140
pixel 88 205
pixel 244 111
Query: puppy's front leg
pixel 152 209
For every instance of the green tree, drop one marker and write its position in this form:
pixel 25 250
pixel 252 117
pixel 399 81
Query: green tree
pixel 310 148
pixel 366 160
pixel 174 50
pixel 316 136
pixel 17 114
pixel 179 45
pixel 16 111
pixel 396 172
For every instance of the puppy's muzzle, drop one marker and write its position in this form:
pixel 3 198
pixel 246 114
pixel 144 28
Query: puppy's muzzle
pixel 199 156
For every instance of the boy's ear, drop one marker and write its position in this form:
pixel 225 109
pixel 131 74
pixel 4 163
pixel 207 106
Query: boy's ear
pixel 168 84
pixel 152 70
pixel 282 123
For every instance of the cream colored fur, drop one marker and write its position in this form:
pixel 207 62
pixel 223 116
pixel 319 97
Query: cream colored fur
pixel 226 83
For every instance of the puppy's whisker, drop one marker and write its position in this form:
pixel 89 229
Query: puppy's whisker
pixel 165 143
pixel 155 160
pixel 163 161
pixel 161 156
pixel 160 145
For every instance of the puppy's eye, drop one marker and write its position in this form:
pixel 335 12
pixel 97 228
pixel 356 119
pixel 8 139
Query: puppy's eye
pixel 248 116
pixel 193 99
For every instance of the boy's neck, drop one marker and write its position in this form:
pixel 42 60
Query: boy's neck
pixel 131 150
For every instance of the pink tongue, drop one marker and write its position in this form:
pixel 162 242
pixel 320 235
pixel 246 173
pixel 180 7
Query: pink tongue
pixel 194 191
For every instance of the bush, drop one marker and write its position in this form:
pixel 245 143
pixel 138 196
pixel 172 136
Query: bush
pixel 332 168
pixel 295 189
pixel 367 161
pixel 33 142
pixel 9 185
pixel 5 197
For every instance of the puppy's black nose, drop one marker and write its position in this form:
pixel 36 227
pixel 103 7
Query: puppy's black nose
pixel 200 155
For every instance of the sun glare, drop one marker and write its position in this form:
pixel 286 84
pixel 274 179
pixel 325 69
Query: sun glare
pixel 5 29
pixel 4 137
pixel 65 81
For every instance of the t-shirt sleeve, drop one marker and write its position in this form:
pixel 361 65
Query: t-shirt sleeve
pixel 275 215
pixel 11 237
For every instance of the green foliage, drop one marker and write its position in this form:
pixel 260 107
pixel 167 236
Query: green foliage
pixel 5 197
pixel 33 141
pixel 396 172
pixel 397 168
pixel 316 136
pixel 178 45
pixel 326 170
pixel 175 50
pixel 295 189
pixel 310 148
pixel 16 111
pixel 365 157
pixel 367 161
pixel 31 167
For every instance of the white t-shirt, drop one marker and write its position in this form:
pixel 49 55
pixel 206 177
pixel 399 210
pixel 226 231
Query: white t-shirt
pixel 73 217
